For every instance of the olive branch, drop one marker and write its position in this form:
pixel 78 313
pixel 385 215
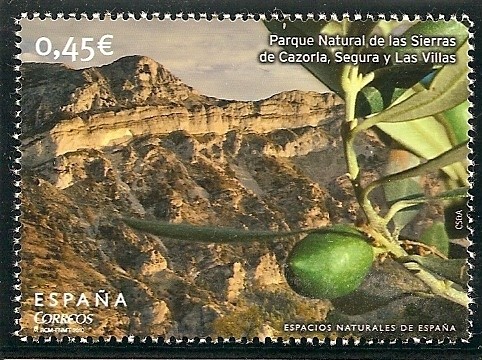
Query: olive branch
pixel 447 90
pixel 423 108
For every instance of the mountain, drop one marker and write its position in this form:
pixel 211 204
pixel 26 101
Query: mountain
pixel 66 110
pixel 131 139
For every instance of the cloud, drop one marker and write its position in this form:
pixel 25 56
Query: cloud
pixel 218 58
pixel 32 57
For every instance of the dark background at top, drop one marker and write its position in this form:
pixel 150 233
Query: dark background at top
pixel 11 347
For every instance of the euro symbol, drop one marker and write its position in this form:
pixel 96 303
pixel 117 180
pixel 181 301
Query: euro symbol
pixel 104 44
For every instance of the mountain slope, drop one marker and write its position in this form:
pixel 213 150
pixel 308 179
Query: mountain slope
pixel 131 139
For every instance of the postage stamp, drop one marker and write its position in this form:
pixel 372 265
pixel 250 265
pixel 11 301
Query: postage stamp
pixel 255 177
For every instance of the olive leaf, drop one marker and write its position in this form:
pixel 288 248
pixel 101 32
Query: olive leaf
pixel 452 269
pixel 333 28
pixel 458 193
pixel 436 236
pixel 388 85
pixel 451 156
pixel 210 234
pixel 359 28
pixel 433 135
pixel 427 138
pixel 387 26
pixel 448 89
pixel 416 200
pixel 400 160
pixel 431 29
pixel 392 80
pixel 457 119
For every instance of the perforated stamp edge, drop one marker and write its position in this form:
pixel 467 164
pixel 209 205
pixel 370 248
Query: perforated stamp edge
pixel 16 165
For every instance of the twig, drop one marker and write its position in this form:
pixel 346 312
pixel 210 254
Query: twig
pixel 352 83
pixel 439 287
pixel 432 249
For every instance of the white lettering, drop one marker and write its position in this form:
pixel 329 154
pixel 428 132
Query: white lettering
pixel 53 299
pixel 82 301
pixel 68 297
pixel 39 297
pixel 99 299
pixel 120 300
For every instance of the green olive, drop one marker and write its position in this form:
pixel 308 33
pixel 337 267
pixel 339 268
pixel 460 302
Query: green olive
pixel 329 263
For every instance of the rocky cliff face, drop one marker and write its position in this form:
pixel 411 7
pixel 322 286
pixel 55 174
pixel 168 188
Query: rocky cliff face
pixel 131 139
pixel 67 110
pixel 53 92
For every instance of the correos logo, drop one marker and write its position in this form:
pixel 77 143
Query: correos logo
pixel 52 319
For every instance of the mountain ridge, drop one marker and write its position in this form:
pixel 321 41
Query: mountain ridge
pixel 94 148
pixel 129 81
pixel 63 93
pixel 134 96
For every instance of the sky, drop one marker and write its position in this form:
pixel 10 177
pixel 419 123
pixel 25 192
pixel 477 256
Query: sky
pixel 217 58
